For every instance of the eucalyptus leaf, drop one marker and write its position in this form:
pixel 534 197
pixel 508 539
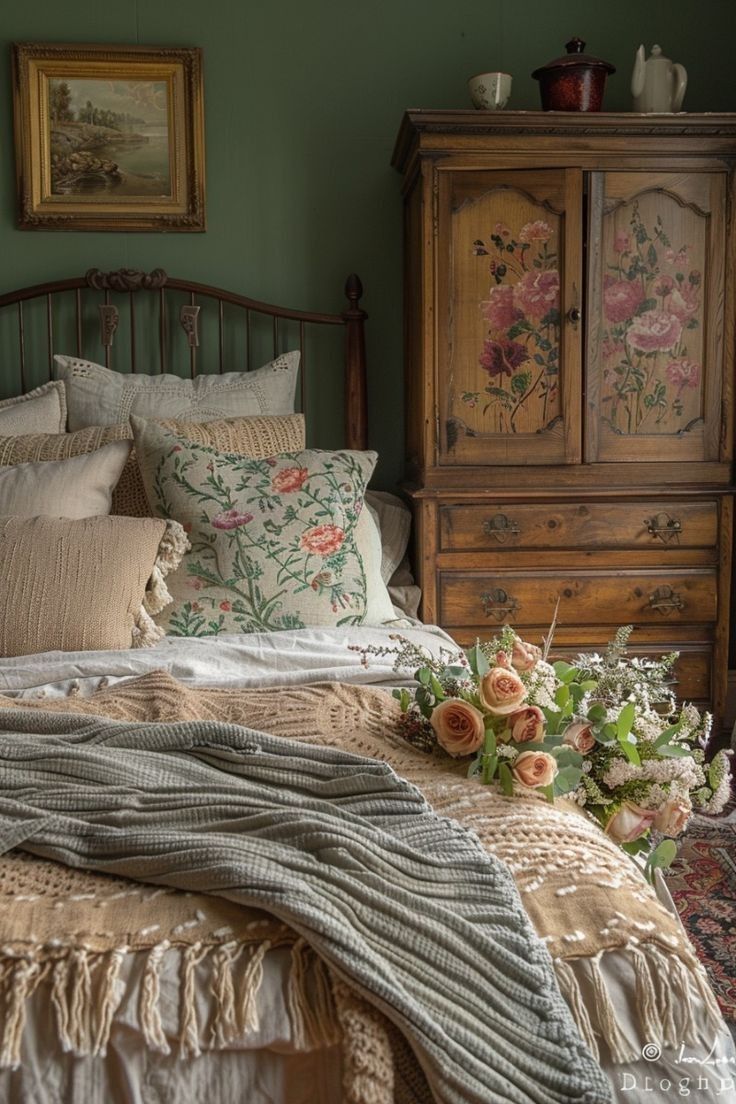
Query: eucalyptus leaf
pixel 625 720
pixel 597 712
pixel 423 676
pixel 666 735
pixel 436 688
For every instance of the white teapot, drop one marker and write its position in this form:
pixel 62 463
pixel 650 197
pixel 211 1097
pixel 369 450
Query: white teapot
pixel 657 84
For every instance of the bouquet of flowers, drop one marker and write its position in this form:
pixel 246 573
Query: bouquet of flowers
pixel 603 731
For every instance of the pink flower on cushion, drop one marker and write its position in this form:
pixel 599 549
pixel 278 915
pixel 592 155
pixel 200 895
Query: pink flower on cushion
pixel 539 230
pixel 537 292
pixel 231 519
pixel 499 309
pixel 621 298
pixel 289 479
pixel 499 357
pixel 653 331
pixel 683 373
pixel 225 606
pixel 322 540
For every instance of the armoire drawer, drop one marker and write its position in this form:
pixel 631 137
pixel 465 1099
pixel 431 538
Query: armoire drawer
pixel 492 526
pixel 586 597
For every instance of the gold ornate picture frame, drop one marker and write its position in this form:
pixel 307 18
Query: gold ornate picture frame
pixel 109 137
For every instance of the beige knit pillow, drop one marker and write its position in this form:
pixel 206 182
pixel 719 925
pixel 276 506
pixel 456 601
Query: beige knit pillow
pixel 256 437
pixel 33 447
pixel 86 585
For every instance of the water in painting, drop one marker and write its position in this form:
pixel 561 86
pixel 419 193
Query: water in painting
pixel 109 136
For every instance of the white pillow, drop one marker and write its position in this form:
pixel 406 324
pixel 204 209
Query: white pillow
pixel 98 396
pixel 77 488
pixel 39 411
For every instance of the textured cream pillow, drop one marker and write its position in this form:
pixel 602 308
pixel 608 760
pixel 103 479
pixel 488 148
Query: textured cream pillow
pixel 258 436
pixel 76 488
pixel 97 396
pixel 39 411
pixel 85 585
pixel 33 447
pixel 276 542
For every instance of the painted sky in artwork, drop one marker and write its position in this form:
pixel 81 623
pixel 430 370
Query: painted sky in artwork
pixel 144 99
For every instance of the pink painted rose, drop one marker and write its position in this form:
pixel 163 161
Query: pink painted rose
pixel 534 768
pixel 672 818
pixel 231 519
pixel 669 255
pixel 629 823
pixel 458 726
pixel 579 736
pixel 323 540
pixel 524 656
pixel 539 230
pixel 499 308
pixel 501 691
pixel 621 298
pixel 502 230
pixel 537 292
pixel 289 479
pixel 621 242
pixel 502 357
pixel 683 302
pixel 653 331
pixel 683 373
pixel 527 725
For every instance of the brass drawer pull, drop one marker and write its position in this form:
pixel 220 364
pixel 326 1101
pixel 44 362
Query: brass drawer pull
pixel 501 528
pixel 665 528
pixel 498 604
pixel 664 600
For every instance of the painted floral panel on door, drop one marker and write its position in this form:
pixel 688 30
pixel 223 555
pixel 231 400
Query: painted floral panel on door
pixel 652 343
pixel 505 350
pixel 657 245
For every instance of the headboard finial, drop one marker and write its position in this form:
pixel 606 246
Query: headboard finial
pixel 354 290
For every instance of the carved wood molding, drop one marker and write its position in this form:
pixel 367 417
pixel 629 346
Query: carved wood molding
pixel 126 279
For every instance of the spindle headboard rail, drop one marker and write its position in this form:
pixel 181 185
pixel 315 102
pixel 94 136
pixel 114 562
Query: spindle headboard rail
pixel 106 287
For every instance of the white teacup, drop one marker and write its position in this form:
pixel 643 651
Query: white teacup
pixel 490 91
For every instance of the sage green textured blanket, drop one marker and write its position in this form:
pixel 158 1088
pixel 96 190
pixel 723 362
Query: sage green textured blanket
pixel 405 905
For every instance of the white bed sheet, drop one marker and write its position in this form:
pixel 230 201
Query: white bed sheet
pixel 705 1073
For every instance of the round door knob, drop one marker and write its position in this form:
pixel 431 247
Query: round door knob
pixel 574 315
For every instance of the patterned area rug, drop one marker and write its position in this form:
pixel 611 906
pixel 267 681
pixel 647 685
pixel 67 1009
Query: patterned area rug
pixel 702 881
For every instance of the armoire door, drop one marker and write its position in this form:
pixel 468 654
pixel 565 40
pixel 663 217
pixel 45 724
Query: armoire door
pixel 509 316
pixel 657 244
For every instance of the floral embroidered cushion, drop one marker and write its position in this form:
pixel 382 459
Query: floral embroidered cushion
pixel 274 541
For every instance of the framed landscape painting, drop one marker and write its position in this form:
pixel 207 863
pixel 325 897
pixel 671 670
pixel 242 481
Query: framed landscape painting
pixel 109 137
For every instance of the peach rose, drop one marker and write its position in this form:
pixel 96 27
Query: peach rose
pixel 289 479
pixel 322 540
pixel 525 657
pixel 629 823
pixel 527 725
pixel 534 768
pixel 672 818
pixel 458 726
pixel 579 736
pixel 501 691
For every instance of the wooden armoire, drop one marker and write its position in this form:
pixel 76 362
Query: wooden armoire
pixel 569 327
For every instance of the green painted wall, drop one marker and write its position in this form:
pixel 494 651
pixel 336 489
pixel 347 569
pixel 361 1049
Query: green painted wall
pixel 303 101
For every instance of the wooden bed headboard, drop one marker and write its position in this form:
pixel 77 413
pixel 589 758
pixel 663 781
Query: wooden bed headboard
pixel 144 321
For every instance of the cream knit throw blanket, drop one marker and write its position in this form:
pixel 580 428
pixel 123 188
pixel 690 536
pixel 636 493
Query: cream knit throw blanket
pixel 404 905
pixel 584 896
